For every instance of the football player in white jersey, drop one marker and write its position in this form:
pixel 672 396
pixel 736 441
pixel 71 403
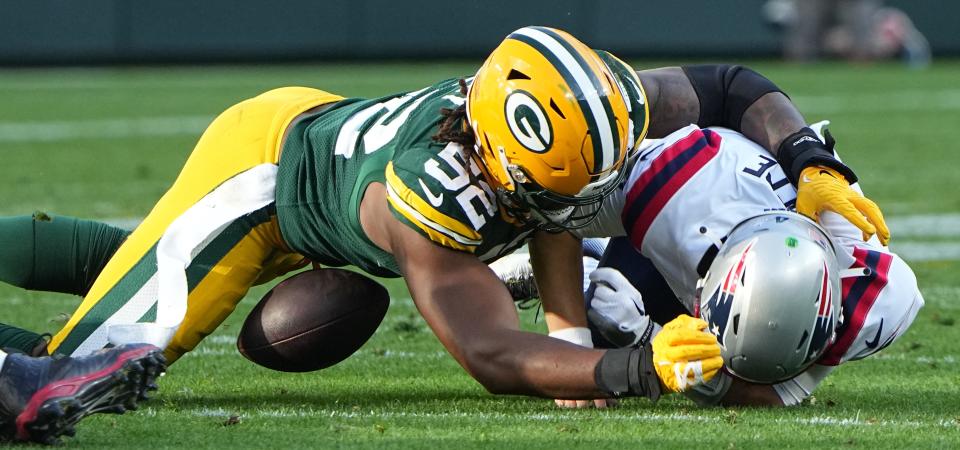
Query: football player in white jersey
pixel 684 197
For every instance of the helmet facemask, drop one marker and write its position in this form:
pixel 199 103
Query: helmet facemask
pixel 554 212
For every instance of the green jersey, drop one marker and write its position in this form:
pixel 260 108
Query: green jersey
pixel 437 189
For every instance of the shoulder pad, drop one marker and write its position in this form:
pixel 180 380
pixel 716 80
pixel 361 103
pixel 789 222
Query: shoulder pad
pixel 441 195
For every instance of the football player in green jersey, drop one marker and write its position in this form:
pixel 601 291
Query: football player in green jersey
pixel 429 185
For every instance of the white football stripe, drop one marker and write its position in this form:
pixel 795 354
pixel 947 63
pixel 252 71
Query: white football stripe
pixel 583 81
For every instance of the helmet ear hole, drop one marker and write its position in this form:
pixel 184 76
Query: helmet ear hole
pixel 803 339
pixel 517 75
pixel 610 81
pixel 736 323
pixel 555 108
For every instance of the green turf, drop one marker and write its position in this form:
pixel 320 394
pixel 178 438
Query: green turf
pixel 894 126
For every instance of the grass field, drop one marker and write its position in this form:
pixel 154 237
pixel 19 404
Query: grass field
pixel 106 143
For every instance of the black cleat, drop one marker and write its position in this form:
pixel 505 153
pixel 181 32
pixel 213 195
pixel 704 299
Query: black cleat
pixel 42 399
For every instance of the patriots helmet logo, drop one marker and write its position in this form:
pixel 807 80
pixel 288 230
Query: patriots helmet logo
pixel 716 311
pixel 823 329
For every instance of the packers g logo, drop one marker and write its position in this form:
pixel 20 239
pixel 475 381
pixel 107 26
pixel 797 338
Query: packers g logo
pixel 528 121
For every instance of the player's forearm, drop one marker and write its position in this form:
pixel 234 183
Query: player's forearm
pixel 535 365
pixel 487 342
pixel 558 266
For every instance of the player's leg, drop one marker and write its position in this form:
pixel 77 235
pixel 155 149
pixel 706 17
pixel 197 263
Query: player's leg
pixel 205 241
pixel 249 250
pixel 42 399
pixel 56 254
pixel 218 276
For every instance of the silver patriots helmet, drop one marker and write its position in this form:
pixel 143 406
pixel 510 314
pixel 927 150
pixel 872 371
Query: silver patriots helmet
pixel 772 296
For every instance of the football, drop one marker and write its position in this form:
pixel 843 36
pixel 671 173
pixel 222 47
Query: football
pixel 313 320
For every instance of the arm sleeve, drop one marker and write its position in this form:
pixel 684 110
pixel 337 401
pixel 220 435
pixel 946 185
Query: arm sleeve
pixel 726 91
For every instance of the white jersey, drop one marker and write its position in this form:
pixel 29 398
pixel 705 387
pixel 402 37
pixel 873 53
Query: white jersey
pixel 685 193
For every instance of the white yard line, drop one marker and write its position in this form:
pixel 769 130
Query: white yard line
pixel 108 79
pixel 926 251
pixel 912 100
pixel 351 414
pixel 946 359
pixel 925 225
pixel 63 130
pixel 272 413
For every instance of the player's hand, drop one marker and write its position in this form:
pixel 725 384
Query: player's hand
pixel 580 336
pixel 617 309
pixel 580 404
pixel 822 188
pixel 685 354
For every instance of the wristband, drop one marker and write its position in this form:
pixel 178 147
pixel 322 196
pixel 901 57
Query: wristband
pixel 628 372
pixel 574 335
pixel 804 149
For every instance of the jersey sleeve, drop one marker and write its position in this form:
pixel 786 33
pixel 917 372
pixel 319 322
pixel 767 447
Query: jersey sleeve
pixel 438 195
pixel 878 305
pixel 798 388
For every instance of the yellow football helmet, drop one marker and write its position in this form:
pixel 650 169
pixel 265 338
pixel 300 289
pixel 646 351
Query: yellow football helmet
pixel 552 124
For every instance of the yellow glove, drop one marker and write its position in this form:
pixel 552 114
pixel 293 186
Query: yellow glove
pixel 685 355
pixel 822 188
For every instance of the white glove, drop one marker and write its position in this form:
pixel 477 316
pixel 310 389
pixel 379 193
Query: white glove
pixel 617 309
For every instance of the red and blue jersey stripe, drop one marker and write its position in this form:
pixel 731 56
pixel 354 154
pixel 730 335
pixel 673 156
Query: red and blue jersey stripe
pixel 859 295
pixel 667 173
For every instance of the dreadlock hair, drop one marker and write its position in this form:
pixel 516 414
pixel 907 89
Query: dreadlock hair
pixel 454 127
